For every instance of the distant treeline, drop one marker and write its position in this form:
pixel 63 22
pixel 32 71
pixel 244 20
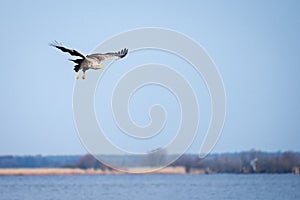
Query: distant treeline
pixel 242 162
pixel 36 161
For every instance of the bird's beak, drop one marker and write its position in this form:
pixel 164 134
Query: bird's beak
pixel 100 67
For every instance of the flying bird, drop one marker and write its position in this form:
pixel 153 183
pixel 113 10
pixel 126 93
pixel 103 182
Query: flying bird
pixel 92 61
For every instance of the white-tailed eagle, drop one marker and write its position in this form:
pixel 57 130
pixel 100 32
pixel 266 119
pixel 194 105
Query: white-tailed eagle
pixel 91 61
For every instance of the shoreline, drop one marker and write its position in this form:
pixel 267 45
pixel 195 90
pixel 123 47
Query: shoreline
pixel 77 171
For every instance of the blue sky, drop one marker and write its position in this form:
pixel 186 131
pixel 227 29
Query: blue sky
pixel 255 45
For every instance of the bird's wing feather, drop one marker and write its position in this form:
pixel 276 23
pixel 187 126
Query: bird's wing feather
pixel 109 56
pixel 73 52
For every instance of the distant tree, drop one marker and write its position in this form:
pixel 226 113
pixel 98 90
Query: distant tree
pixel 89 161
pixel 155 157
pixel 287 160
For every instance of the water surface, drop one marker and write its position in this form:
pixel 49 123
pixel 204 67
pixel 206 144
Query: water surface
pixel 144 187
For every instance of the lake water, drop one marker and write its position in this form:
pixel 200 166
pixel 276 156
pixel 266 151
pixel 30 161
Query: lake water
pixel 154 187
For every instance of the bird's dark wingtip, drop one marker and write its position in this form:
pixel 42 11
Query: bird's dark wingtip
pixel 54 43
pixel 124 52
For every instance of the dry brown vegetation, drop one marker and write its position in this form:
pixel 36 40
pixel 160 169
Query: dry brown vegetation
pixel 72 171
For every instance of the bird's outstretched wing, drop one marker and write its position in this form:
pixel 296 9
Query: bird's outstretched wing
pixel 109 56
pixel 73 52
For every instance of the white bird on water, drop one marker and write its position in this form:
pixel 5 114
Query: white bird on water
pixel 91 61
